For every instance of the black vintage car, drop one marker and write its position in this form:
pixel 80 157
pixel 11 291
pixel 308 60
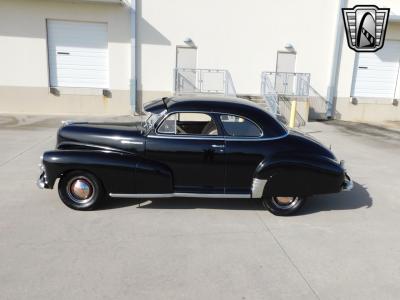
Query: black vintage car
pixel 210 147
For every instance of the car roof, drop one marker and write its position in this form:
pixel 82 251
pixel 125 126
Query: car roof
pixel 207 102
pixel 204 103
pixel 217 104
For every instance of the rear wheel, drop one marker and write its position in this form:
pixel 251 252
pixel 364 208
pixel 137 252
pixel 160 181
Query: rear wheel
pixel 283 206
pixel 80 190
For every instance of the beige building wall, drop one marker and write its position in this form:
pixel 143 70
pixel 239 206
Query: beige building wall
pixel 24 78
pixel 244 37
pixel 366 110
pixel 240 36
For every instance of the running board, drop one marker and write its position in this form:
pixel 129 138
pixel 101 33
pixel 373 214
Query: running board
pixel 185 195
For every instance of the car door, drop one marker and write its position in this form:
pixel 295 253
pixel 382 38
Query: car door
pixel 190 144
pixel 243 152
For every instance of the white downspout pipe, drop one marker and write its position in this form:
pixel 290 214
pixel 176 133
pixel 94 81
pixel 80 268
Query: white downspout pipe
pixel 133 79
pixel 337 52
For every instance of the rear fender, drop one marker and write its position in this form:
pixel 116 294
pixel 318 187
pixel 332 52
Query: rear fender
pixel 303 175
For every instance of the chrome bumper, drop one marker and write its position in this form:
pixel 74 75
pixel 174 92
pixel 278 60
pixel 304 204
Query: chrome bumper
pixel 42 180
pixel 347 184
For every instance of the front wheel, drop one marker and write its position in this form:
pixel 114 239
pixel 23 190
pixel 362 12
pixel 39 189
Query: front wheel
pixel 283 206
pixel 80 190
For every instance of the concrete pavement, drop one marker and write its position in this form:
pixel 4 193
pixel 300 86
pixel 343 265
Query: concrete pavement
pixel 339 247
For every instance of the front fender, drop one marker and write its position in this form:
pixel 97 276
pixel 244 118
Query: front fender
pixel 119 172
pixel 289 174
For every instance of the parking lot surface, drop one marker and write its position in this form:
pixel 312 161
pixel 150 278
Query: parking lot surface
pixel 341 246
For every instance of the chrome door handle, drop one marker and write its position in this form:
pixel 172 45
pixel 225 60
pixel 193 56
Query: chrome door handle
pixel 218 146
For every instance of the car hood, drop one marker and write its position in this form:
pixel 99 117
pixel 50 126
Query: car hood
pixel 113 135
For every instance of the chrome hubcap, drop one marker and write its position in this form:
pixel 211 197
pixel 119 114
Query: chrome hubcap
pixel 80 190
pixel 285 202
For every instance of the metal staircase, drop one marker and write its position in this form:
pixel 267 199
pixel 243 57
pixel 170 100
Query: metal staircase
pixel 283 92
pixel 284 95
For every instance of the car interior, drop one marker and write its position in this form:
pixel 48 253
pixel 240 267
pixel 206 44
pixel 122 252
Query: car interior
pixel 203 124
pixel 189 123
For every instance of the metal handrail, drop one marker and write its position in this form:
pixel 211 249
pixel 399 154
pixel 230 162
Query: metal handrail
pixel 195 81
pixel 269 94
pixel 180 77
pixel 278 87
pixel 288 83
pixel 285 107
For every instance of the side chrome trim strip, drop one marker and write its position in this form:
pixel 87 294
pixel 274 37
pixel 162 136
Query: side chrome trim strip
pixel 131 142
pixel 257 188
pixel 67 122
pixel 186 195
pixel 96 147
pixel 218 138
pixel 187 137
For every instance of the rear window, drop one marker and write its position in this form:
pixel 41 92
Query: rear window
pixel 240 126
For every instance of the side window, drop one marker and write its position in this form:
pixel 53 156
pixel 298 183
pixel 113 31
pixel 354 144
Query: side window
pixel 188 123
pixel 239 126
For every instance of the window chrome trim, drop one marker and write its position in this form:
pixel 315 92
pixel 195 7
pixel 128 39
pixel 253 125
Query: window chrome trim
pixel 206 137
pixel 177 112
pixel 161 114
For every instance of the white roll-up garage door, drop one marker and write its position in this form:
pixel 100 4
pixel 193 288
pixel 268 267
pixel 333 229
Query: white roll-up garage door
pixel 78 54
pixel 376 73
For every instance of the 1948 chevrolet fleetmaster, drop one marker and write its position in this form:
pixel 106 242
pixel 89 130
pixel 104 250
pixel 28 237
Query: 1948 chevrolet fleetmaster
pixel 192 147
